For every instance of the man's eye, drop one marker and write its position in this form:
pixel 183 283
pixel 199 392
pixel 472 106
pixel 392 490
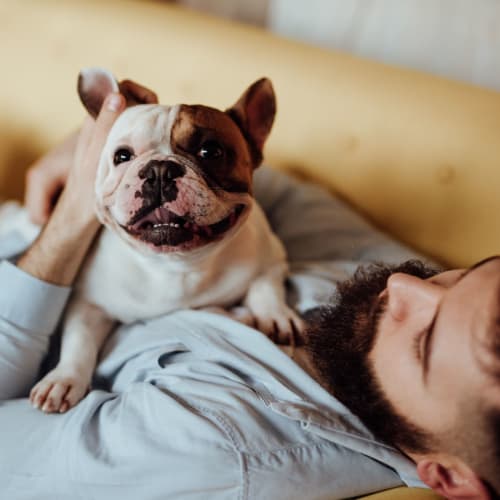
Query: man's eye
pixel 210 150
pixel 418 345
pixel 122 155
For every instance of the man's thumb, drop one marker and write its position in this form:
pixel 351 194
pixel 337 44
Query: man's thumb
pixel 114 102
pixel 111 108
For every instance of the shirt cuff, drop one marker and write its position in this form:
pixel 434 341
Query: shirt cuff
pixel 28 302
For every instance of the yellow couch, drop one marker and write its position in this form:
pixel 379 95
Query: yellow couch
pixel 418 154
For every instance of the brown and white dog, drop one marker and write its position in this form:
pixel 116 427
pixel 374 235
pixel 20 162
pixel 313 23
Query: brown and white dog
pixel 181 228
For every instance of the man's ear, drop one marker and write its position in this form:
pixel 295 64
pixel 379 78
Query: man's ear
pixel 254 113
pixel 94 84
pixel 455 480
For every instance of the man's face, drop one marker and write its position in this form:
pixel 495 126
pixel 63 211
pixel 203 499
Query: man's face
pixel 429 353
pixel 415 355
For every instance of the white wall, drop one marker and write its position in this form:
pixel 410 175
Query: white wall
pixel 455 38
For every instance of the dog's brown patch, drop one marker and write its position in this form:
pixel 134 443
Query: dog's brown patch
pixel 198 125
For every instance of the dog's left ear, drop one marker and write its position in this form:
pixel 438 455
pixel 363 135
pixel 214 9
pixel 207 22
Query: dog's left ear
pixel 254 113
pixel 94 84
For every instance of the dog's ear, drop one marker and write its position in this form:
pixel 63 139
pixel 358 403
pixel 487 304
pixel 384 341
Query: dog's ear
pixel 137 94
pixel 94 84
pixel 254 113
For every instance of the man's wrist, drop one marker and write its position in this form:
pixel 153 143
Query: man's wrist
pixel 58 253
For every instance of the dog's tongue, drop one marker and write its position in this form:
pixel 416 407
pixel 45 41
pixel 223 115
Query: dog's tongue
pixel 163 214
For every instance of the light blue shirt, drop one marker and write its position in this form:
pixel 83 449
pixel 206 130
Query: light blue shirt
pixel 194 405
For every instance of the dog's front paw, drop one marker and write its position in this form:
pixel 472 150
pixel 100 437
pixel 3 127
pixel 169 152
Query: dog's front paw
pixel 60 390
pixel 276 320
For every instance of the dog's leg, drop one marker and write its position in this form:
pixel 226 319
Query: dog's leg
pixel 84 330
pixel 266 301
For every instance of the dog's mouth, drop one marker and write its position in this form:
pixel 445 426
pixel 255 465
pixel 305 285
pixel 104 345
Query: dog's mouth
pixel 161 227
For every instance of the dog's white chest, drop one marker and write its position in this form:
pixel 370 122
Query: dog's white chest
pixel 130 286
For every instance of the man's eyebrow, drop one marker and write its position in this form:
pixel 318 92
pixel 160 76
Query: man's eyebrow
pixel 429 335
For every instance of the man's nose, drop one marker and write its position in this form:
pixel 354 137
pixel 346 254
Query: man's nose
pixel 412 296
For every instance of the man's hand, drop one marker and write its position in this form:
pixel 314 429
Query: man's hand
pixel 57 254
pixel 47 177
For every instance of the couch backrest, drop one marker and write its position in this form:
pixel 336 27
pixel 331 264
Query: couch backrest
pixel 418 154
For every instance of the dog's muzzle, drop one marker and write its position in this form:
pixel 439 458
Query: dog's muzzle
pixel 155 222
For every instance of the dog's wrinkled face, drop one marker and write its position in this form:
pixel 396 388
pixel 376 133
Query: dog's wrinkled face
pixel 174 178
pixel 177 178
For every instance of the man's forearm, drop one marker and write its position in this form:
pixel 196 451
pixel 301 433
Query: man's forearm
pixel 56 256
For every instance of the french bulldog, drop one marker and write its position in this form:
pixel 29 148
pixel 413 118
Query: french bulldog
pixel 181 228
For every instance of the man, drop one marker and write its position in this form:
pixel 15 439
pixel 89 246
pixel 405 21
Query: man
pixel 195 405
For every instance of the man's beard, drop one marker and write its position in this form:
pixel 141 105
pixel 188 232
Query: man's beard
pixel 340 337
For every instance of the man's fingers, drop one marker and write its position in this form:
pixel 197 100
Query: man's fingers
pixel 113 105
pixel 46 177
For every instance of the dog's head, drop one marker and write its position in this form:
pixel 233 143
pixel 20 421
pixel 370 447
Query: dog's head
pixel 177 178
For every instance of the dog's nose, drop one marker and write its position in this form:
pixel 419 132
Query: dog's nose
pixel 163 171
pixel 159 180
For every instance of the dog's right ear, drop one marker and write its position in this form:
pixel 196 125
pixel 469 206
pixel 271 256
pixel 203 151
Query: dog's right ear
pixel 94 84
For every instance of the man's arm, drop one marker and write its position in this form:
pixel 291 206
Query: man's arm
pixel 33 294
pixel 57 254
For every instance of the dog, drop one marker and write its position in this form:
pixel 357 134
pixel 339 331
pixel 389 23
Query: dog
pixel 181 228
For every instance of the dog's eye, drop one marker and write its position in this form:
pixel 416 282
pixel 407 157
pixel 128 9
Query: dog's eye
pixel 122 155
pixel 210 150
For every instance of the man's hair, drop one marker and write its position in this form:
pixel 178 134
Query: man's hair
pixel 341 336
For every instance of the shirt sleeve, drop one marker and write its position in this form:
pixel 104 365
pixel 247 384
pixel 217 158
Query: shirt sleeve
pixel 316 226
pixel 30 309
